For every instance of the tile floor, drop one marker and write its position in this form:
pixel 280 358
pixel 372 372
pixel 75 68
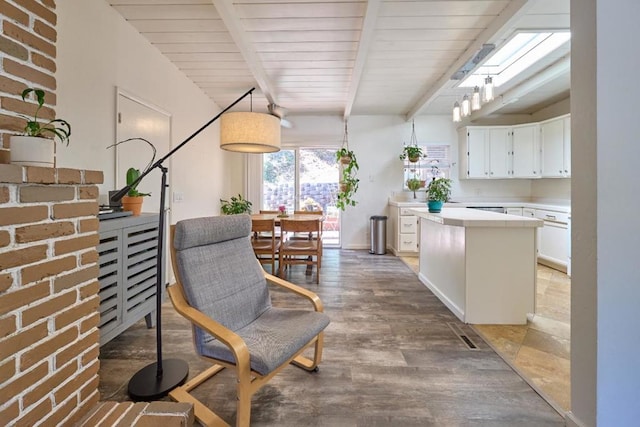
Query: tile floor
pixel 540 350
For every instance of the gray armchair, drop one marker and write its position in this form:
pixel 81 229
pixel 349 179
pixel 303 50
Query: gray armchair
pixel 222 289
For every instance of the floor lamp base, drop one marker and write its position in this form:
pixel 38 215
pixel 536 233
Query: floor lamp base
pixel 146 386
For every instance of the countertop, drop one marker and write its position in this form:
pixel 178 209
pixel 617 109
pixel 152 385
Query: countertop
pixel 511 204
pixel 476 218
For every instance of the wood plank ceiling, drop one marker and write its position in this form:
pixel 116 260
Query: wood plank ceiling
pixel 345 57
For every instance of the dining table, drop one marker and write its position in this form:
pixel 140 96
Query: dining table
pixel 293 217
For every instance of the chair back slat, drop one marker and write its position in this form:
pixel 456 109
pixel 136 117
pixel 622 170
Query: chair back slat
pixel 299 226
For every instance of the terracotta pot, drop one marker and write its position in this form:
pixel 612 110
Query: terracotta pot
pixel 32 151
pixel 345 160
pixel 344 187
pixel 414 159
pixel 133 204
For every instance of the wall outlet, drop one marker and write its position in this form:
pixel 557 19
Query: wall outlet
pixel 178 197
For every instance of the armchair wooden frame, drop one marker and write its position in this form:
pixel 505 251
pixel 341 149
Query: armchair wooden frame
pixel 248 381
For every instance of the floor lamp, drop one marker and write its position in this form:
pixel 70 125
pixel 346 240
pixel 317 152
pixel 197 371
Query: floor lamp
pixel 157 379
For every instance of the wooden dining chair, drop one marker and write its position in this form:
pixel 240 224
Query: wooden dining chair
pixel 308 235
pixel 301 251
pixel 278 233
pixel 264 241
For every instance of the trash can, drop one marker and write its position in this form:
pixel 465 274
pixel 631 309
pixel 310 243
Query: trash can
pixel 378 235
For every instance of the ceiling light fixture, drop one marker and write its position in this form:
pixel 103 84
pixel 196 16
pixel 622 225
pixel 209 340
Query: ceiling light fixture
pixel 475 99
pixel 465 107
pixel 456 112
pixel 487 90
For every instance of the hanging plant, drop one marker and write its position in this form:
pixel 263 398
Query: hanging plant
pixel 348 168
pixel 412 151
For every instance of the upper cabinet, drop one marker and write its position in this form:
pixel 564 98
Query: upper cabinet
pixel 534 150
pixel 555 138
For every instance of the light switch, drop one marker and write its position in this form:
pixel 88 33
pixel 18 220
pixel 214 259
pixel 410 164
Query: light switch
pixel 178 197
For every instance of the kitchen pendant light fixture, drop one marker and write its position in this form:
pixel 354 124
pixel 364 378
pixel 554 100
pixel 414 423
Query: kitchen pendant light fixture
pixel 488 90
pixel 465 107
pixel 456 112
pixel 249 132
pixel 475 99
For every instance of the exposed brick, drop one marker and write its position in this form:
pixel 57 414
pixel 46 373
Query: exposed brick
pixel 47 348
pixel 116 413
pixel 90 356
pixel 75 244
pixel 90 290
pixel 48 269
pixel 74 210
pixel 5 238
pixel 50 3
pixel 89 322
pixel 99 413
pixel 84 407
pixel 30 39
pixel 46 193
pixel 89 192
pixel 10 412
pixel 4 194
pixel 7 370
pixel 69 176
pixel 45 30
pixel 77 312
pixel 11 123
pixel 43 62
pixel 23 296
pixel 33 233
pixel 48 307
pixel 7 327
pixel 5 155
pixel 8 85
pixel 39 10
pixel 22 340
pixel 69 280
pixel 90 388
pixel 13 48
pixel 132 414
pixel 35 414
pixel 88 225
pixel 90 257
pixel 76 348
pixel 78 381
pixel 27 108
pixel 23 215
pixel 153 420
pixel 28 73
pixel 23 256
pixel 6 280
pixel 93 177
pixel 39 175
pixel 49 384
pixel 60 413
pixel 10 11
pixel 10 173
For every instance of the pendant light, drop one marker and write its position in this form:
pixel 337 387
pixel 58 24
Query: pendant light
pixel 475 99
pixel 456 112
pixel 465 107
pixel 488 90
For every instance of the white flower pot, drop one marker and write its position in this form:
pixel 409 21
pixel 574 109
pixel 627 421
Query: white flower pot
pixel 32 151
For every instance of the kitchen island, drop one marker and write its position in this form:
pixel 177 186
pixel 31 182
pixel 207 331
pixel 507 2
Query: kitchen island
pixel 481 265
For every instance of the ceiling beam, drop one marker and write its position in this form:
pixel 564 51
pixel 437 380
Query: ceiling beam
pixel 234 26
pixel 553 71
pixel 366 37
pixel 505 20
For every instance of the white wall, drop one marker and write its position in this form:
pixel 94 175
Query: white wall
pixel 99 51
pixel 551 190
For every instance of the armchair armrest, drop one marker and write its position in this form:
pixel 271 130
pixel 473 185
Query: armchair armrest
pixel 311 296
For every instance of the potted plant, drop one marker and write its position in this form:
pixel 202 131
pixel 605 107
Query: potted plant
pixel 414 185
pixel 36 147
pixel 344 156
pixel 411 152
pixel 438 192
pixel 133 200
pixel 236 205
pixel 348 188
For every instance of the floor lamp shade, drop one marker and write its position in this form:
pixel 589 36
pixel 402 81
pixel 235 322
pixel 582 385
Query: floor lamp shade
pixel 249 132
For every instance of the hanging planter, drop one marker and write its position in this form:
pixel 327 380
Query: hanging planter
pixel 412 151
pixel 348 168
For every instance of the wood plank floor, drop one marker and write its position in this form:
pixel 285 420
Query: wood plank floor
pixel 391 359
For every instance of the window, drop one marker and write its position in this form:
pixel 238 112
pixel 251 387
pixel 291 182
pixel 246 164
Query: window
pixel 435 165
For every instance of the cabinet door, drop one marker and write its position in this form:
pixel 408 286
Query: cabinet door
pixel 553 244
pixel 525 152
pixel 567 146
pixel 552 147
pixel 408 224
pixel 499 152
pixel 514 211
pixel 476 154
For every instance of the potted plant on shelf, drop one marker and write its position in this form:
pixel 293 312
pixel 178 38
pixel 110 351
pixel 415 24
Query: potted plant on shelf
pixel 133 200
pixel 236 205
pixel 414 185
pixel 438 192
pixel 411 152
pixel 36 147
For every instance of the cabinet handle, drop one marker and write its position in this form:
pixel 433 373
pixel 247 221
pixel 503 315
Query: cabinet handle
pixel 491 173
pixel 534 172
pixel 566 171
pixel 560 171
pixel 550 216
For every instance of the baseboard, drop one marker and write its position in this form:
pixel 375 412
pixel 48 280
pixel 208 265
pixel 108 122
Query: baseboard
pixel 552 264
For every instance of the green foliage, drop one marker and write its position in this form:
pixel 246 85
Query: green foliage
pixel 132 176
pixel 279 167
pixel 236 205
pixel 412 152
pixel 439 189
pixel 56 128
pixel 348 180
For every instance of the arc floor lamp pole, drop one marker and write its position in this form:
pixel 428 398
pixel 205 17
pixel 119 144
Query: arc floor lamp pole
pixel 159 378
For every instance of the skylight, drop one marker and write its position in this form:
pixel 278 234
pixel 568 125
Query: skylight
pixel 518 54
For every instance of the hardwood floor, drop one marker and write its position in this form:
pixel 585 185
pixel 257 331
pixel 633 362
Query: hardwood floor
pixel 392 358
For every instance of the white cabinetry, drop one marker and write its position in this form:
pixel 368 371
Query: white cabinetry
pixel 553 240
pixel 404 231
pixel 555 147
pixel 514 211
pixel 499 140
pixel 525 152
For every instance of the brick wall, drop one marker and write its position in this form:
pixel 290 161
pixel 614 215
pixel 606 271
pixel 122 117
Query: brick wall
pixel 27 59
pixel 48 294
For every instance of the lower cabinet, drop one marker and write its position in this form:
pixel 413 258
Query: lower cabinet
pixel 553 239
pixel 403 231
pixel 127 260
